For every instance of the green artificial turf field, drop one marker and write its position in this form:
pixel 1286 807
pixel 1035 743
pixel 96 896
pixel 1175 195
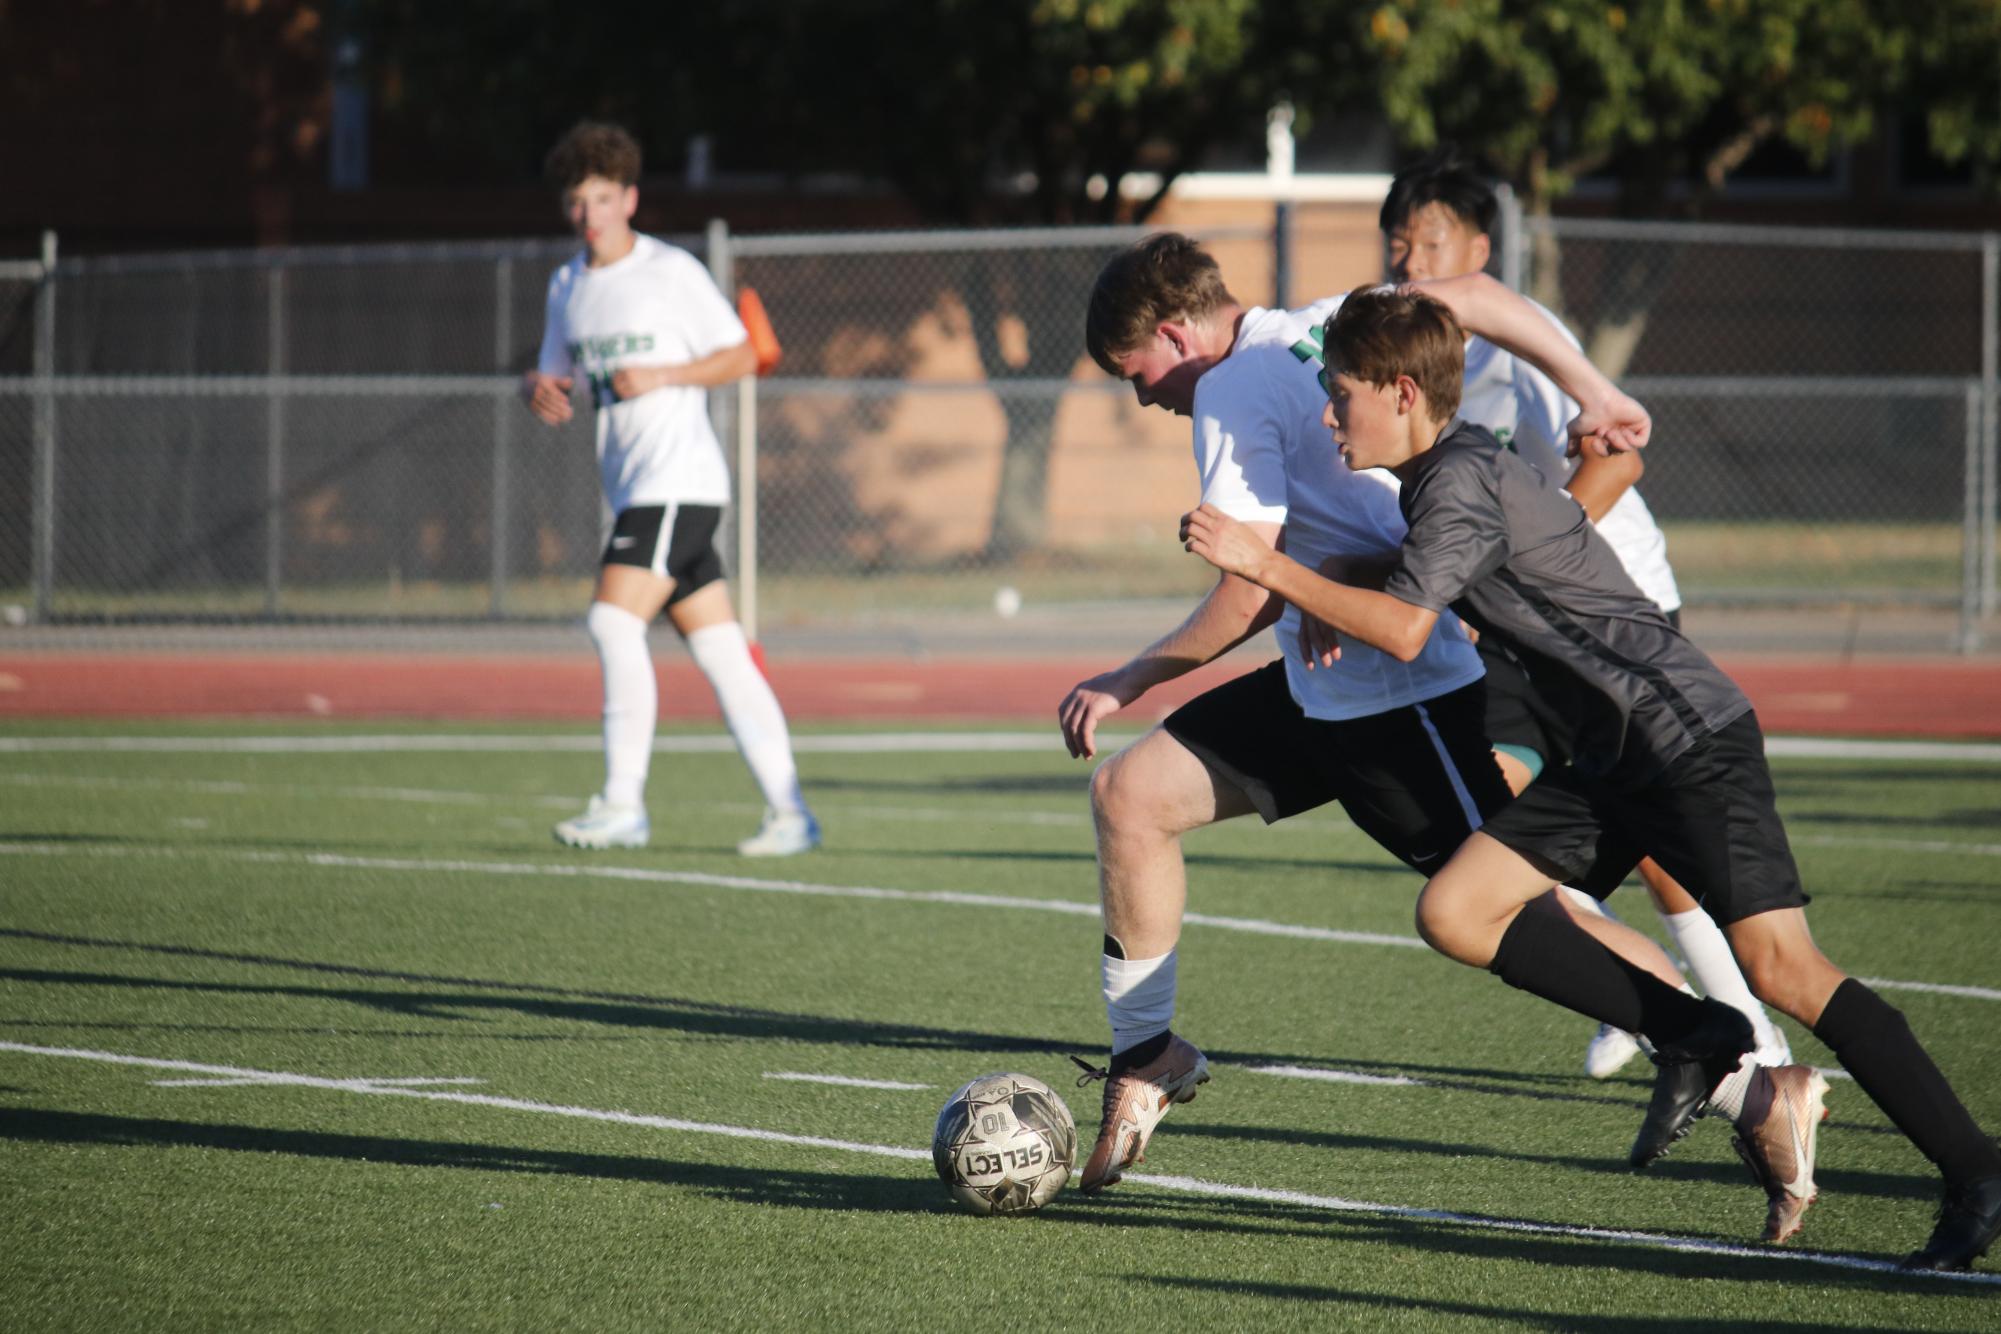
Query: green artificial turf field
pixel 337 1038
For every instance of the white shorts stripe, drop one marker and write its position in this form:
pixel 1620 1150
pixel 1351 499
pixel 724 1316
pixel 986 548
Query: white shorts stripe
pixel 1467 805
pixel 663 541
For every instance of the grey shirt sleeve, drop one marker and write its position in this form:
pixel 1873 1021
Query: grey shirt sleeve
pixel 1458 534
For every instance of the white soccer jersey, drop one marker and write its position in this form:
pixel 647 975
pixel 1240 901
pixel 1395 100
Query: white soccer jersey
pixel 655 307
pixel 1529 414
pixel 1265 456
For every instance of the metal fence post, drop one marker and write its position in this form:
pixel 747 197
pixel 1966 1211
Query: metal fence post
pixel 1990 362
pixel 503 421
pixel 1279 151
pixel 43 556
pixel 1969 551
pixel 274 440
pixel 742 424
pixel 1514 243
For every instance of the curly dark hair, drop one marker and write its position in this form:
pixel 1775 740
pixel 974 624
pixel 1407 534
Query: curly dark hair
pixel 593 148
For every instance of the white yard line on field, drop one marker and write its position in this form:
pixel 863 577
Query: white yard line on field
pixel 382 1089
pixel 850 743
pixel 247 1083
pixel 450 797
pixel 648 875
pixel 1184 1185
pixel 1332 1076
pixel 845 1081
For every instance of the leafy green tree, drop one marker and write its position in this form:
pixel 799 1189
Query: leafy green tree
pixel 1669 97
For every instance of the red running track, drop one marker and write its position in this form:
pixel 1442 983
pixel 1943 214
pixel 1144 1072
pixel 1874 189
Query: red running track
pixel 1921 697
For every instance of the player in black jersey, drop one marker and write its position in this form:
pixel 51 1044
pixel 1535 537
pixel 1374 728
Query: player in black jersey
pixel 1668 762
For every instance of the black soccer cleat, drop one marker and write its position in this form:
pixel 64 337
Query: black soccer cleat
pixel 1688 1072
pixel 1969 1221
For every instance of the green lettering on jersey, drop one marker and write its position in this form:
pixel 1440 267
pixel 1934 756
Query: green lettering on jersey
pixel 1312 349
pixel 609 346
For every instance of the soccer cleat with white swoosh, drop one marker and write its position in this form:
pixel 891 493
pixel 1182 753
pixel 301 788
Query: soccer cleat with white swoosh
pixel 1776 1138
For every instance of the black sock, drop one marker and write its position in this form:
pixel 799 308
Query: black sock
pixel 1876 1045
pixel 1546 954
pixel 1142 1052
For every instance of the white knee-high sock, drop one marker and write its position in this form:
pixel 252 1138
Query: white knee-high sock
pixel 1587 901
pixel 1714 967
pixel 751 711
pixel 1139 998
pixel 631 700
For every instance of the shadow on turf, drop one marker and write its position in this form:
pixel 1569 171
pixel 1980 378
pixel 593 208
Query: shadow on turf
pixel 704 1018
pixel 1959 818
pixel 914 1192
pixel 806 1190
pixel 1609 1161
pixel 1474 1241
pixel 1527 1319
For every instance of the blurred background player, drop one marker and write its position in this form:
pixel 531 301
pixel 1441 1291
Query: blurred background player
pixel 642 324
pixel 1402 746
pixel 1436 223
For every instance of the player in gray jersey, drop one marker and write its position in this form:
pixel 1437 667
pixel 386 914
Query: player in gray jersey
pixel 1435 222
pixel 1669 762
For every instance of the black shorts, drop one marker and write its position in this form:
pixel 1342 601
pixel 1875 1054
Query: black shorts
pixel 1517 718
pixel 676 542
pixel 1416 779
pixel 1709 819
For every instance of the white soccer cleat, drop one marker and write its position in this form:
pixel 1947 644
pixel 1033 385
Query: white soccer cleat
pixel 783 834
pixel 1609 1051
pixel 603 825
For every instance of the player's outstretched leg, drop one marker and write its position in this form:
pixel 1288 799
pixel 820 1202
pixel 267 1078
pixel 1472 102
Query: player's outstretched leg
pixel 1142 801
pixel 1610 1048
pixel 1137 1096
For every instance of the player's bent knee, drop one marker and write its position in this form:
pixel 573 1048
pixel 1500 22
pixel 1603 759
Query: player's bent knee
pixel 1441 924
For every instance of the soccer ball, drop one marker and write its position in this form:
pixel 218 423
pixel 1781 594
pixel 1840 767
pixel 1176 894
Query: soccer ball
pixel 1004 1144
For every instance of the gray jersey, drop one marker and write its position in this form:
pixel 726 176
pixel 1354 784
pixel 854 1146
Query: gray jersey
pixel 1495 540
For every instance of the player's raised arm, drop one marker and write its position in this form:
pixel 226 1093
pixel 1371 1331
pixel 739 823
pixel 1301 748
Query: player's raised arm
pixel 1609 419
pixel 1377 619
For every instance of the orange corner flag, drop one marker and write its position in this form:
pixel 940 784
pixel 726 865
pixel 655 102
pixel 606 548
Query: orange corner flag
pixel 763 339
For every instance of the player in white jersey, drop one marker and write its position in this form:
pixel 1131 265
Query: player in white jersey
pixel 1402 745
pixel 1435 223
pixel 642 325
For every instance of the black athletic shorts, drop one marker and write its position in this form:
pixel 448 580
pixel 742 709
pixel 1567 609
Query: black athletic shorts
pixel 676 542
pixel 1416 779
pixel 1517 718
pixel 1709 819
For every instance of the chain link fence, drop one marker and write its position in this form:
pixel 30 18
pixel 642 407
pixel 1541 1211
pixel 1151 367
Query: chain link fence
pixel 1824 400
pixel 333 434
